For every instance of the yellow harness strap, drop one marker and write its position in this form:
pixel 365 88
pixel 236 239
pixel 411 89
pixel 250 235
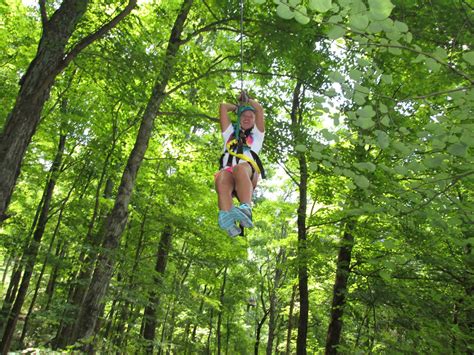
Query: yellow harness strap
pixel 242 156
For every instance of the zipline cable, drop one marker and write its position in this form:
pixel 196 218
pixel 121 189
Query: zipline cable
pixel 241 45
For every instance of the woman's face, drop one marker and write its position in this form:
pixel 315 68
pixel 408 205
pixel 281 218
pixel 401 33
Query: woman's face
pixel 247 119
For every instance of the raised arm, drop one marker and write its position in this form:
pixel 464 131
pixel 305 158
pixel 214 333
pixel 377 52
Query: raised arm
pixel 259 116
pixel 224 110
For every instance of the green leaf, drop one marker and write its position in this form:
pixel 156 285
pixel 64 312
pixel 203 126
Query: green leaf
pixel 387 78
pixel 336 77
pixel 401 147
pixel 441 54
pixel 420 58
pixel 320 5
pixel 258 2
pixel 366 111
pixel 361 181
pixel 458 149
pixel 395 50
pixel 383 140
pixel 300 148
pixel 367 166
pixel 385 275
pixel 336 32
pixel 400 169
pixel 389 243
pixel 385 121
pixel 432 65
pixel 364 122
pixel 284 11
pixel 300 15
pixel 433 162
pixel 380 9
pixel 359 21
pixel 469 57
pixel 355 74
pixel 401 26
pixel 359 98
pixel 313 166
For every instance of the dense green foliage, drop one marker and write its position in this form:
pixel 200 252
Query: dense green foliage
pixel 384 122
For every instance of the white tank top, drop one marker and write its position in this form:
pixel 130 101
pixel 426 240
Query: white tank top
pixel 254 141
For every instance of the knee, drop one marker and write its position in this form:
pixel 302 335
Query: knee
pixel 242 171
pixel 224 183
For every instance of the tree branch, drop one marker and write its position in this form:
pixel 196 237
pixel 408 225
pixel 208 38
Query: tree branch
pixel 44 15
pixel 209 27
pixel 101 32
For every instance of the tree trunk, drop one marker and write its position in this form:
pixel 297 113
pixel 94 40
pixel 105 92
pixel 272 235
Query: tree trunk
pixel 18 269
pixel 117 219
pixel 219 315
pixel 296 122
pixel 33 249
pixel 150 316
pixel 290 321
pixel 280 259
pixel 340 290
pixel 50 60
pixel 87 260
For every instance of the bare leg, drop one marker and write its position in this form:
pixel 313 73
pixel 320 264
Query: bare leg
pixel 243 183
pixel 224 187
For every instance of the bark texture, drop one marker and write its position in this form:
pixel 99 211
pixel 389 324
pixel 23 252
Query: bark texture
pixel 150 321
pixel 339 291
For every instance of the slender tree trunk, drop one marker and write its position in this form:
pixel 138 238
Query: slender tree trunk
pixel 150 316
pixel 340 290
pixel 117 219
pixel 296 122
pixel 50 60
pixel 123 317
pixel 221 310
pixel 258 332
pixel 43 268
pixel 86 259
pixel 273 300
pixel 209 336
pixel 290 321
pixel 33 250
pixel 18 269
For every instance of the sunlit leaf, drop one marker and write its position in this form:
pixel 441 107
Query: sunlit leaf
pixel 359 21
pixel 300 148
pixel 284 11
pixel 380 9
pixel 336 32
pixel 367 166
pixel 401 26
pixel 320 5
pixel 361 181
pixel 383 140
pixel 300 15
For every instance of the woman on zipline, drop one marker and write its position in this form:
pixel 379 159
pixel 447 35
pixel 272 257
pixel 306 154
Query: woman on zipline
pixel 240 166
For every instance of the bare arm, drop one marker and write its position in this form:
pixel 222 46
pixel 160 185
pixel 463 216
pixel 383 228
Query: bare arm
pixel 259 116
pixel 224 119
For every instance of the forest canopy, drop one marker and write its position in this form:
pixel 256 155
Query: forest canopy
pixel 109 144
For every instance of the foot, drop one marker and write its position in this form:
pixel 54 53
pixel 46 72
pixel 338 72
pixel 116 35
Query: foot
pixel 243 214
pixel 227 222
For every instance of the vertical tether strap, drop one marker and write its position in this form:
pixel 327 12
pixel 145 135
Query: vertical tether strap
pixel 241 45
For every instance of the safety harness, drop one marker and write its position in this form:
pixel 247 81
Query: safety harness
pixel 236 146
